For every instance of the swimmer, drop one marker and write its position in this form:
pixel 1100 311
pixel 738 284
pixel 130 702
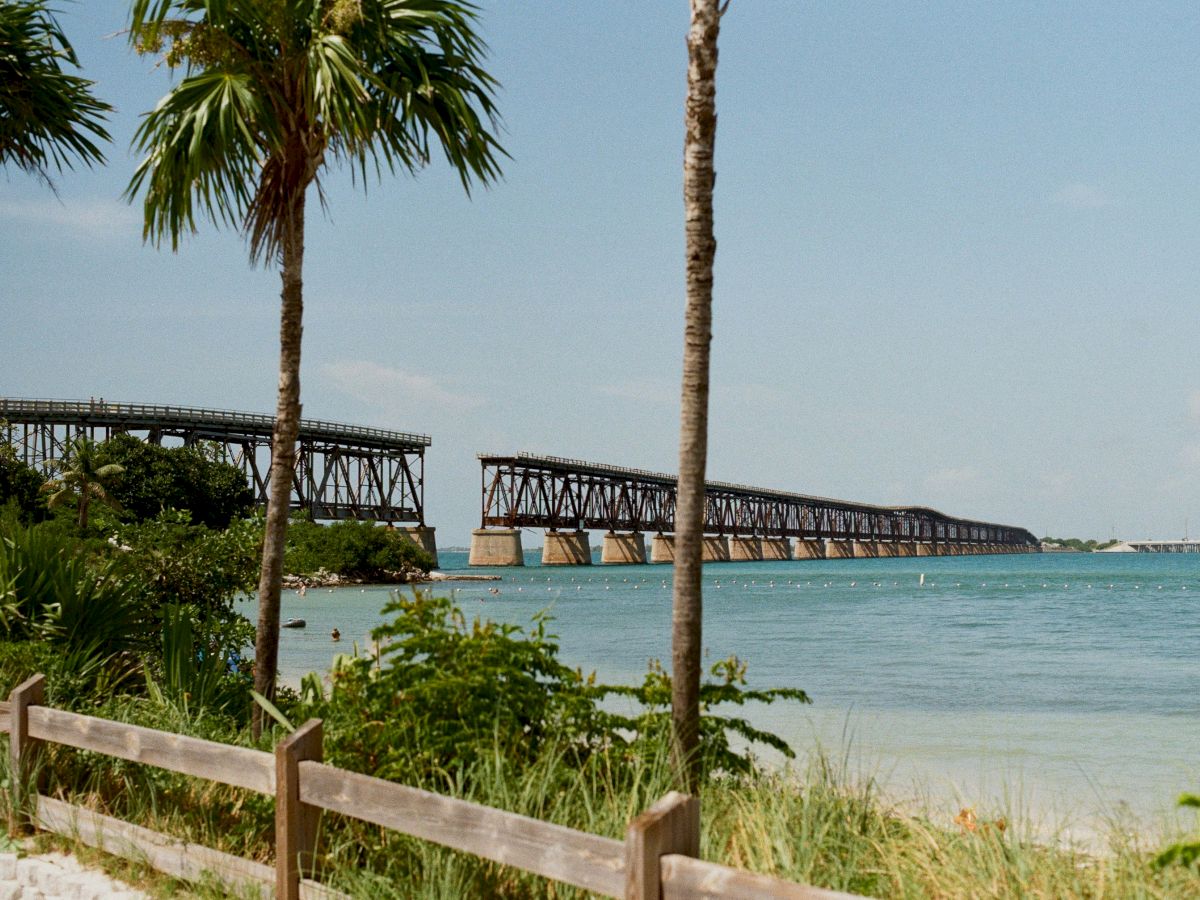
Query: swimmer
pixel 335 634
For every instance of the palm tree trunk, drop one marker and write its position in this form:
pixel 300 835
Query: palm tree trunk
pixel 700 122
pixel 283 459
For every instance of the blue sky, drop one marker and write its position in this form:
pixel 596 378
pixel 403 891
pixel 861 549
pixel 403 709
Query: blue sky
pixel 957 264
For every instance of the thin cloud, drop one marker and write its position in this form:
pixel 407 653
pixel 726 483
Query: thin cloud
pixel 952 478
pixel 394 389
pixel 1082 196
pixel 647 390
pixel 101 218
pixel 1194 406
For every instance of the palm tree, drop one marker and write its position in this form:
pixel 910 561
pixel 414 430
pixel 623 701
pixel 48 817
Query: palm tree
pixel 80 473
pixel 273 91
pixel 700 123
pixel 47 117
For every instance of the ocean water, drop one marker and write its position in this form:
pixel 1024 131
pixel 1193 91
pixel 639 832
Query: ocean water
pixel 1064 686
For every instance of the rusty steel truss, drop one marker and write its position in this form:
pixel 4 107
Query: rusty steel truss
pixel 342 471
pixel 530 491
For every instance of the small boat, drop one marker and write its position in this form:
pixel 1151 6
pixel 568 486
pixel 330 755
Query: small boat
pixel 294 623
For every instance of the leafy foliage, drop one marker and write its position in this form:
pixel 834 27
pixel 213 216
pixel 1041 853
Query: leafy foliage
pixel 83 477
pixel 192 479
pixel 351 548
pixel 191 564
pixel 445 692
pixel 1185 852
pixel 50 593
pixel 195 669
pixel 271 92
pixel 20 484
pixel 47 117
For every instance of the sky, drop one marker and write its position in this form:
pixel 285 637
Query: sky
pixel 957 262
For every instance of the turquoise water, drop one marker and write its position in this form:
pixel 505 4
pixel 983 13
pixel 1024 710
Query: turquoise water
pixel 1063 683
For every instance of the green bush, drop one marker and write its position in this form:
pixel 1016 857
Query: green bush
pixel 446 692
pixel 352 549
pixel 193 479
pixel 20 484
pixel 49 592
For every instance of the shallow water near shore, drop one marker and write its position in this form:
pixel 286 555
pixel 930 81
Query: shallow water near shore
pixel 1065 685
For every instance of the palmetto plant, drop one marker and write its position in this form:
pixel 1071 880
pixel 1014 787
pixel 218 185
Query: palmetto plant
pixel 80 474
pixel 47 117
pixel 272 92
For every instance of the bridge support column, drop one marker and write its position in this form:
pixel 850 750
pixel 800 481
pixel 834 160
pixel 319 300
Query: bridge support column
pixel 623 549
pixel 886 549
pixel 924 549
pixel 906 548
pixel 714 549
pixel 662 548
pixel 863 549
pixel 809 550
pixel 422 536
pixel 776 548
pixel 745 549
pixel 838 549
pixel 566 548
pixel 496 547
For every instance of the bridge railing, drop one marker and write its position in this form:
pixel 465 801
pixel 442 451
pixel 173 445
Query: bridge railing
pixel 148 414
pixel 715 489
pixel 656 859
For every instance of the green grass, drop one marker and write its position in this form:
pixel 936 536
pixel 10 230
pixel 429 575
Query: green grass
pixel 814 824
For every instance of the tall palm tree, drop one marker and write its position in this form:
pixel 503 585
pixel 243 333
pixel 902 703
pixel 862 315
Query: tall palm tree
pixel 700 124
pixel 273 91
pixel 47 117
pixel 80 473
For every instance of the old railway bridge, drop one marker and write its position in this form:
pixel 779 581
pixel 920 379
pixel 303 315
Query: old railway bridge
pixel 568 497
pixel 342 471
pixel 345 471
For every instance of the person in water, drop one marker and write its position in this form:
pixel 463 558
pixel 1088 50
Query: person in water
pixel 335 634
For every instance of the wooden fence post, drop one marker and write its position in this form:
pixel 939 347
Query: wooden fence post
pixel 672 825
pixel 295 822
pixel 22 750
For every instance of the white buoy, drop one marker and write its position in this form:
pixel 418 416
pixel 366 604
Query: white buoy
pixel 922 581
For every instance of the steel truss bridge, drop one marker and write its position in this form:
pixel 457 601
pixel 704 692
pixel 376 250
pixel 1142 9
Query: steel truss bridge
pixel 530 491
pixel 342 471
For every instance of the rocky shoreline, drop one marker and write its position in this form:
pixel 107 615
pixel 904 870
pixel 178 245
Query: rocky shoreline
pixel 405 576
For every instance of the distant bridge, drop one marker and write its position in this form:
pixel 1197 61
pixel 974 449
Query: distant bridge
pixel 342 471
pixel 568 497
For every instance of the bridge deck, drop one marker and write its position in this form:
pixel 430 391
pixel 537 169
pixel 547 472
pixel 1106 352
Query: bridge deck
pixel 341 471
pixel 204 421
pixel 531 490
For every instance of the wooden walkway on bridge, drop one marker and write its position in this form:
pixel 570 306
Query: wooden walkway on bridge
pixel 342 471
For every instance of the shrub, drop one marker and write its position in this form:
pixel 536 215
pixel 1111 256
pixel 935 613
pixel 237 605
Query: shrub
pixel 445 693
pixel 193 479
pixel 351 548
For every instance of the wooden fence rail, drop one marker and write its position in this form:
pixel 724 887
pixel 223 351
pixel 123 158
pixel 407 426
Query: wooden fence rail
pixel 657 859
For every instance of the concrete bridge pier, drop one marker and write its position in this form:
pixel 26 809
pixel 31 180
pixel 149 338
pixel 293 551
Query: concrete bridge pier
pixel 838 549
pixel 423 537
pixel 745 549
pixel 496 547
pixel 924 549
pixel 809 550
pixel 662 548
pixel 776 548
pixel 906 548
pixel 566 548
pixel 886 549
pixel 623 549
pixel 864 549
pixel 714 549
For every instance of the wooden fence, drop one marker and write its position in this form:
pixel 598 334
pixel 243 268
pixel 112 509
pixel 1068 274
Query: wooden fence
pixel 657 859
